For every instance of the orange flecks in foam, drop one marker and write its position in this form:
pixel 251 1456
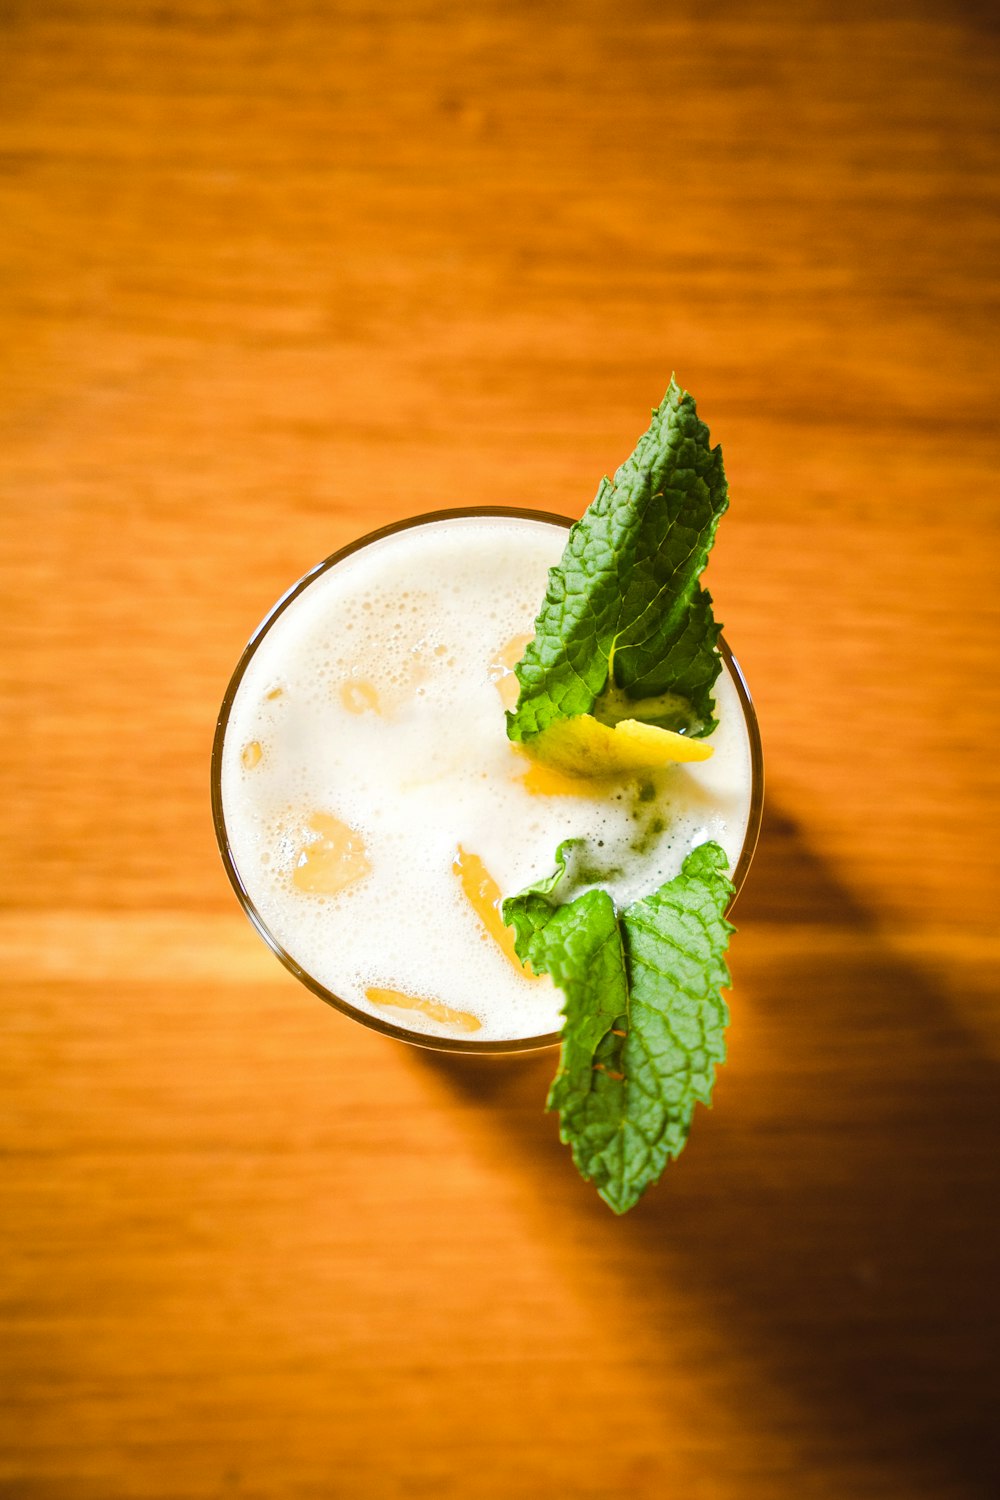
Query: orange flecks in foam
pixel 359 697
pixel 484 896
pixel 333 860
pixel 434 1010
pixel 501 669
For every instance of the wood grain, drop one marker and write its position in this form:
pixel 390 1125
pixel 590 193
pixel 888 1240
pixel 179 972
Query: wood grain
pixel 272 276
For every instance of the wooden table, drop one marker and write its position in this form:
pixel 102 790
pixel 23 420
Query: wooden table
pixel 273 275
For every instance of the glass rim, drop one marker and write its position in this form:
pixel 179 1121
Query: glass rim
pixel 376 1023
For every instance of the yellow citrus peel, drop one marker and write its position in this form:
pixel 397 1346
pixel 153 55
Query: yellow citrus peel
pixel 583 746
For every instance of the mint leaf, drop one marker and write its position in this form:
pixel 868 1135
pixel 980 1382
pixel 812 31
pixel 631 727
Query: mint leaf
pixel 644 1016
pixel 627 632
pixel 624 611
pixel 546 886
pixel 580 946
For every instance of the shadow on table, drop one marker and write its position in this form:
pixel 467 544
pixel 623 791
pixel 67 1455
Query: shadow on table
pixel 837 1210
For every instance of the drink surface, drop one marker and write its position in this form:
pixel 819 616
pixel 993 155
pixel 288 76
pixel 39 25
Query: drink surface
pixel 375 809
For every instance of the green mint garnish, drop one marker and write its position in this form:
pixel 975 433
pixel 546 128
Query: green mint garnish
pixel 644 1016
pixel 626 630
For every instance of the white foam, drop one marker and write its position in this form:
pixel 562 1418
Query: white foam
pixel 420 616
